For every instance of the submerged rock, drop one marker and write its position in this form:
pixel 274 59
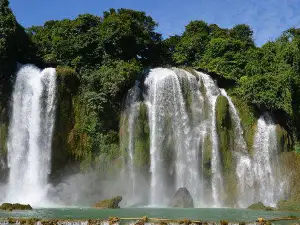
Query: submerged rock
pixel 112 203
pixel 260 206
pixel 182 199
pixel 15 206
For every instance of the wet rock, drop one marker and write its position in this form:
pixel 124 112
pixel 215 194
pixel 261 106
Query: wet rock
pixel 15 206
pixel 182 199
pixel 112 203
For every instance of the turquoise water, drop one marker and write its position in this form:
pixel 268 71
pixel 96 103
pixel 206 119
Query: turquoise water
pixel 170 213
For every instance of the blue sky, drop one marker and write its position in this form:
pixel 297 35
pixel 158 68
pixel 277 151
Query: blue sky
pixel 268 18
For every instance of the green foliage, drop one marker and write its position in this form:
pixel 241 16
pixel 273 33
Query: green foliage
pixel 68 79
pixel 192 44
pixel 224 56
pixel 267 92
pixel 242 32
pixel 69 42
pixel 15 46
pixel 88 41
pixel 105 88
pixel 127 34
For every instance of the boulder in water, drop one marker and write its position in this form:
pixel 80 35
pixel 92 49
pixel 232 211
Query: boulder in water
pixel 112 203
pixel 15 206
pixel 182 199
pixel 260 206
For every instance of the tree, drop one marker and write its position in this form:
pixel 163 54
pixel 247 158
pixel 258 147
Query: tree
pixel 243 33
pixel 192 44
pixel 128 34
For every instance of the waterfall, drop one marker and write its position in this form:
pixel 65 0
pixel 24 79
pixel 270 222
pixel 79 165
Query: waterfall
pixel 212 92
pixel 244 170
pixel 184 143
pixel 169 121
pixel 30 135
pixel 268 187
pixel 131 113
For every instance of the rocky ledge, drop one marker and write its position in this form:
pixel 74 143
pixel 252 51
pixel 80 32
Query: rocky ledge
pixel 112 203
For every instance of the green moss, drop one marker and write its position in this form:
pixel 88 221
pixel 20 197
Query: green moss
pixel 226 134
pixel 191 70
pixel 293 204
pixel 207 155
pixel 15 206
pixel 248 116
pixel 142 139
pixel 64 123
pixel 112 203
pixel 225 131
pixel 260 206
pixel 168 143
pixel 284 140
pixel 3 138
pixel 186 94
pixel 124 136
pixel 68 78
pixel 4 122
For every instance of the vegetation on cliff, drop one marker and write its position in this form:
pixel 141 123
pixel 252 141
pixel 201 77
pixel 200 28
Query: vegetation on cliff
pixel 99 58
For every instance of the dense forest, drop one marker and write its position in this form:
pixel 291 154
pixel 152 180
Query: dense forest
pixel 98 58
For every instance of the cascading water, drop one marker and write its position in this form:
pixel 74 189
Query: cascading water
pixel 30 135
pixel 184 143
pixel 244 171
pixel 131 114
pixel 269 188
pixel 169 122
pixel 212 92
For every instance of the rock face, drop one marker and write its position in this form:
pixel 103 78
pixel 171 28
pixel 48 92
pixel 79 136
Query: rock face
pixel 182 199
pixel 260 206
pixel 112 203
pixel 15 206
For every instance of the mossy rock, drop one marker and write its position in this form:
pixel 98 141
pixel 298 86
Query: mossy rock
pixel 223 113
pixel 260 206
pixel 225 131
pixel 15 206
pixel 142 139
pixel 248 115
pixel 68 78
pixel 207 156
pixel 112 203
pixel 292 204
pixel 284 140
